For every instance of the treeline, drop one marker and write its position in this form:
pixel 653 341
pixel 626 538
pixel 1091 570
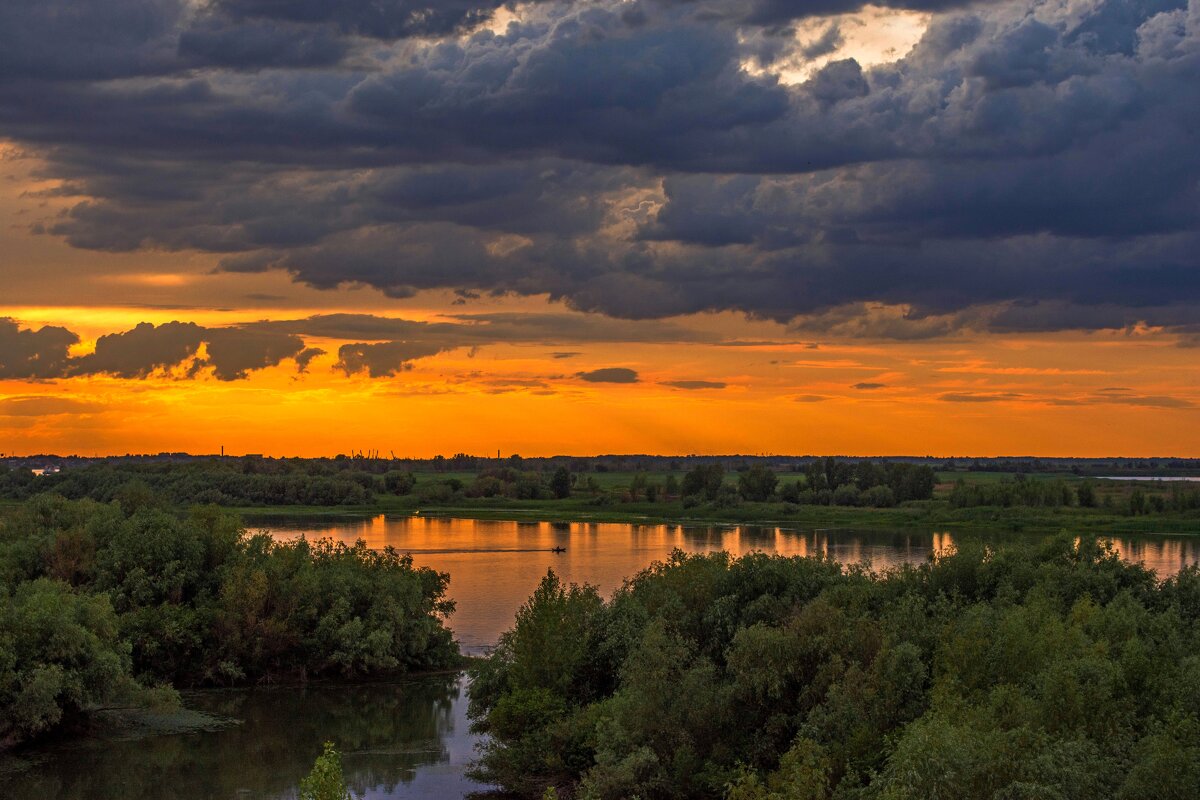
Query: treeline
pixel 100 602
pixel 1057 493
pixel 1056 672
pixel 826 482
pixel 248 482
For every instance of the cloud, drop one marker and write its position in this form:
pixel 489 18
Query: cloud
pixel 45 406
pixel 867 386
pixel 810 398
pixel 30 354
pixel 231 352
pixel 980 397
pixel 1122 396
pixel 609 375
pixel 1027 166
pixel 694 385
pixel 384 358
pixel 375 345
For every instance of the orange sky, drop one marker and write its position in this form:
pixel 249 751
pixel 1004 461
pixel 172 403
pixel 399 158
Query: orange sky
pixel 1132 392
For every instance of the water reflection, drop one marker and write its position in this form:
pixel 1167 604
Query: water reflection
pixel 406 740
pixel 494 565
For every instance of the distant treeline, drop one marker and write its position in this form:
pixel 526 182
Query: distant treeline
pixel 1050 672
pixel 378 463
pixel 253 482
pixel 246 482
pixel 100 602
pixel 1057 493
pixel 826 482
pixel 866 483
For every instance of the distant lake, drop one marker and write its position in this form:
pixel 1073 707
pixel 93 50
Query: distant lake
pixel 410 740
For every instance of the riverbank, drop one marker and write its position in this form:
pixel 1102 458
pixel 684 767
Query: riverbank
pixel 917 515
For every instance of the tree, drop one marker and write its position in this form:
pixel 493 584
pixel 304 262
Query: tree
pixel 325 782
pixel 1087 494
pixel 560 483
pixel 757 483
pixel 60 654
pixel 703 481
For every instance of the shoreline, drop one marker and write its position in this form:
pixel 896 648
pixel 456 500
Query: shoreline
pixel 931 515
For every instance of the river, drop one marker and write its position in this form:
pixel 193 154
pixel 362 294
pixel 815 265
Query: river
pixel 410 740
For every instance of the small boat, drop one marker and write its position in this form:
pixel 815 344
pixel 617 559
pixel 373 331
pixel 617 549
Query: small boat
pixel 558 549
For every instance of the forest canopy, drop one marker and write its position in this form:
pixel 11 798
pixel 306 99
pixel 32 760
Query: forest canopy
pixel 99 601
pixel 1050 672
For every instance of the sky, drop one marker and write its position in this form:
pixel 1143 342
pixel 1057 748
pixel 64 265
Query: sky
pixel 923 227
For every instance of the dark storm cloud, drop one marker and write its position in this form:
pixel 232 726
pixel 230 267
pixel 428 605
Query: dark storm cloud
pixel 1028 166
pixel 609 375
pixel 26 353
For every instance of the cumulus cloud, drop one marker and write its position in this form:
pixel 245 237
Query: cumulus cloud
pixel 609 375
pixel 1027 165
pixel 383 359
pixel 231 353
pixel 26 353
pixel 375 345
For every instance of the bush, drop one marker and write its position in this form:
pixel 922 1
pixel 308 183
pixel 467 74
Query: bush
pixel 878 497
pixel 846 495
pixel 326 781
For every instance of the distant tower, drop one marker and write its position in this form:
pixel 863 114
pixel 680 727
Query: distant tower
pixel 222 451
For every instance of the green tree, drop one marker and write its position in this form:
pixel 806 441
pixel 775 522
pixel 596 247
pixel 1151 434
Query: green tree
pixel 60 655
pixel 325 782
pixel 757 484
pixel 703 481
pixel 560 483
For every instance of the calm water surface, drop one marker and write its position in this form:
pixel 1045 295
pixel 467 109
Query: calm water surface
pixel 400 740
pixel 495 565
pixel 411 740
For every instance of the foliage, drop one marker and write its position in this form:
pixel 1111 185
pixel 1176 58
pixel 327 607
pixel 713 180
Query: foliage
pixel 1050 671
pixel 99 596
pixel 60 654
pixel 229 482
pixel 704 481
pixel 325 782
pixel 757 483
